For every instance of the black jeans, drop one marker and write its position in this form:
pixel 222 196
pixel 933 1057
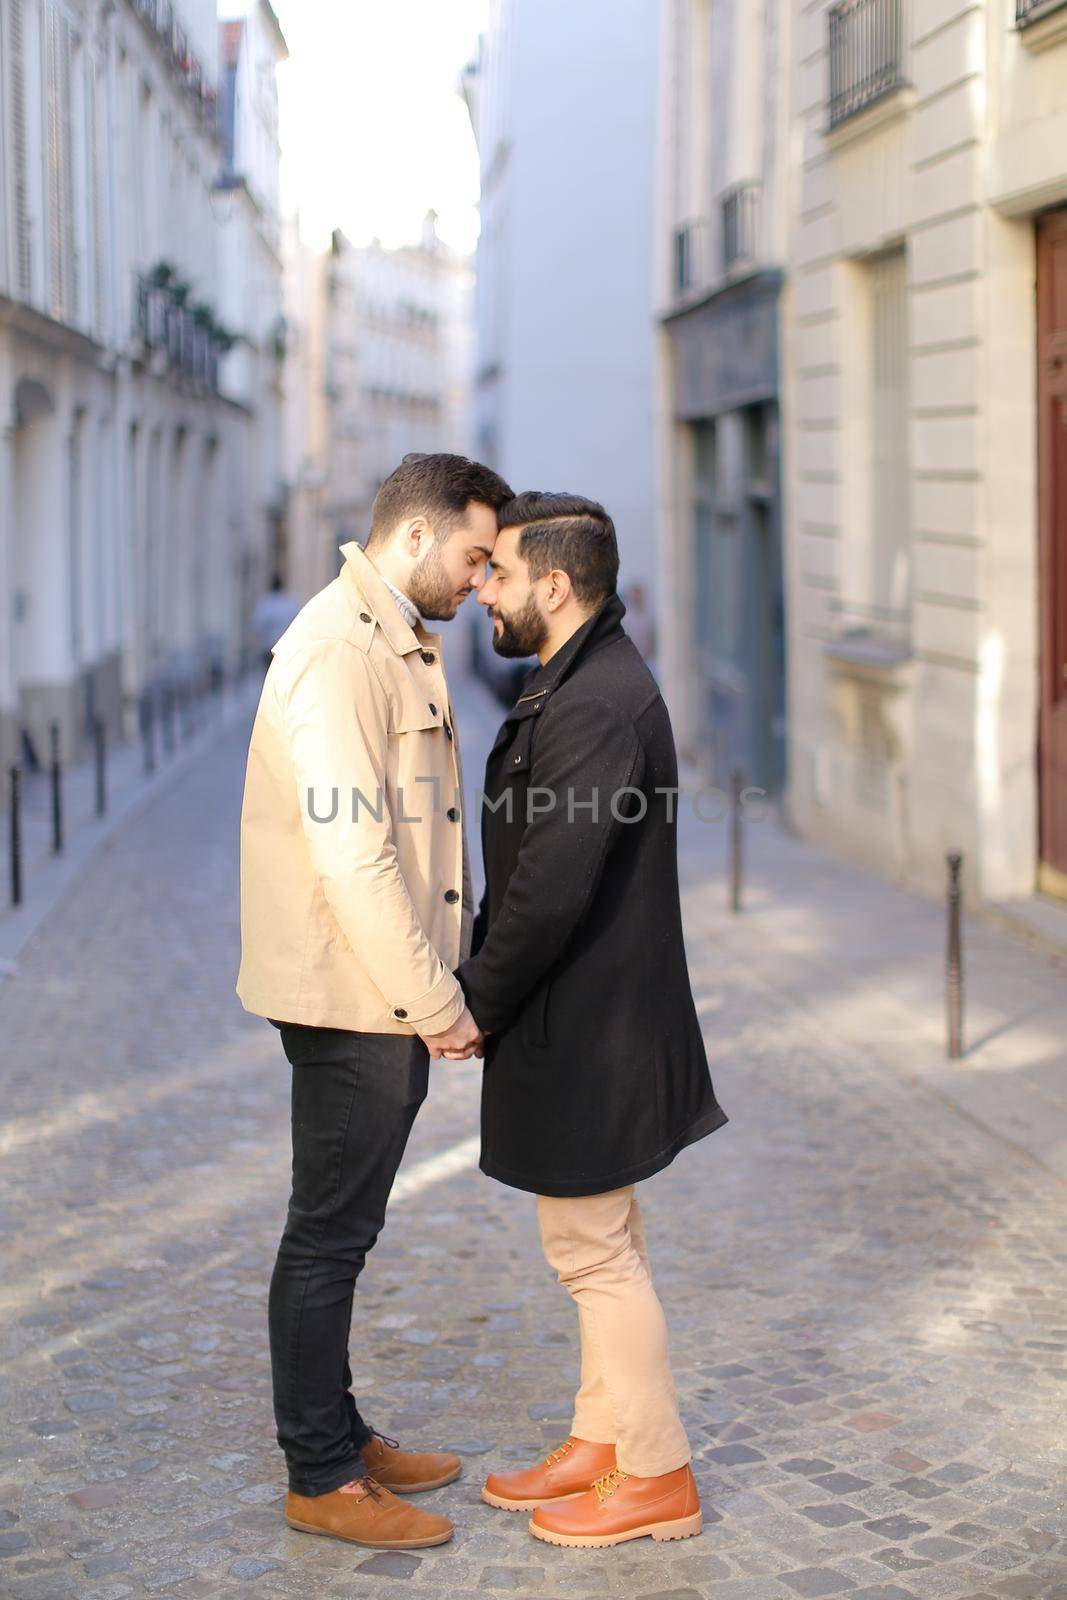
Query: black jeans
pixel 355 1098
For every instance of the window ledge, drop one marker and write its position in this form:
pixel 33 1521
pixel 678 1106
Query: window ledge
pixel 864 655
pixel 887 108
pixel 1043 32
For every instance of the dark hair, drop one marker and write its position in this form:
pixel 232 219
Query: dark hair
pixel 437 487
pixel 568 532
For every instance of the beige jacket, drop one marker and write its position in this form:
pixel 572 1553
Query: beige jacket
pixel 356 920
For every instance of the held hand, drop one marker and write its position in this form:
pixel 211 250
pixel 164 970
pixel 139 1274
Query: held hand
pixel 459 1042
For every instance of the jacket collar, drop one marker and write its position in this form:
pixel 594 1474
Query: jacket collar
pixel 363 578
pixel 604 624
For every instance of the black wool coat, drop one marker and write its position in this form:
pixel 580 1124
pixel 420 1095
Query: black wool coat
pixel 595 1069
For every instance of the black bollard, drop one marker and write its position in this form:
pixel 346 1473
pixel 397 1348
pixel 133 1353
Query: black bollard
pixel 15 836
pixel 57 792
pixel 954 957
pixel 100 758
pixel 737 783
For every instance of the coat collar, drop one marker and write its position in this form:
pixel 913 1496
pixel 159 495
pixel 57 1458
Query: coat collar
pixel 362 577
pixel 604 624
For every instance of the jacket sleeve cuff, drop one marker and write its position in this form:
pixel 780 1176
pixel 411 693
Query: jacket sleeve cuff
pixel 435 1010
pixel 488 1020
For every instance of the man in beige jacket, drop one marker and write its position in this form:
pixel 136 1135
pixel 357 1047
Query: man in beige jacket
pixel 356 908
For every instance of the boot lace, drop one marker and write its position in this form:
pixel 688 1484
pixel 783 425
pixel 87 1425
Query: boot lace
pixel 393 1444
pixel 371 1489
pixel 557 1455
pixel 605 1487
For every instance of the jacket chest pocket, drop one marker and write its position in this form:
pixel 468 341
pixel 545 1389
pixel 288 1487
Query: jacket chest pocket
pixel 409 712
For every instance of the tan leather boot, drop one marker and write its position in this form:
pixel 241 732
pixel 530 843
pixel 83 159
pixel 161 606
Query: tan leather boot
pixel 564 1473
pixel 405 1471
pixel 620 1507
pixel 368 1514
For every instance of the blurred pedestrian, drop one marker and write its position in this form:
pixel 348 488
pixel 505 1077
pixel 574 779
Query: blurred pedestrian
pixel 273 613
pixel 641 623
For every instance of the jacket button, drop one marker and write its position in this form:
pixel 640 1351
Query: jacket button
pixel 400 1012
pixel 452 895
pixel 365 616
pixel 429 657
pixel 448 733
pixel 517 760
pixel 452 814
pixel 433 708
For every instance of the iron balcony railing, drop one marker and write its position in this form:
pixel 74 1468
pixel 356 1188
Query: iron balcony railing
pixel 866 55
pixel 1027 11
pixel 740 225
pixel 689 263
pixel 161 322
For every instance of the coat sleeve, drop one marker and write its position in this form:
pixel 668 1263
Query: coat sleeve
pixel 584 754
pixel 336 719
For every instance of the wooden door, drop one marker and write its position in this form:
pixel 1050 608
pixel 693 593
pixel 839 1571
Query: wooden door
pixel 1052 493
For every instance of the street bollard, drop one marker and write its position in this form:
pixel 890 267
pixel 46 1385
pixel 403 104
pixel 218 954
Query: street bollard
pixel 148 732
pixel 15 835
pixel 57 792
pixel 100 757
pixel 737 783
pixel 954 957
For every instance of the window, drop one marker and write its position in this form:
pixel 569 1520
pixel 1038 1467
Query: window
pixel 890 511
pixel 866 55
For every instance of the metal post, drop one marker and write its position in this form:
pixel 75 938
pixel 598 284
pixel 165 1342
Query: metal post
pixel 57 792
pixel 954 957
pixel 737 783
pixel 15 836
pixel 100 754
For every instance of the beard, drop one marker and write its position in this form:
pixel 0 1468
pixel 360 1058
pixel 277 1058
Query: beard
pixel 521 634
pixel 430 588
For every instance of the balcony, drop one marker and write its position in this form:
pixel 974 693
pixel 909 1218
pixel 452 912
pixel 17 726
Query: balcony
pixel 866 55
pixel 188 340
pixel 689 258
pixel 1027 12
pixel 740 226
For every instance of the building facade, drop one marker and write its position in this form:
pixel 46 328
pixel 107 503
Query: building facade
pixel 563 103
pixel 925 438
pixel 721 245
pixel 124 520
pixel 396 349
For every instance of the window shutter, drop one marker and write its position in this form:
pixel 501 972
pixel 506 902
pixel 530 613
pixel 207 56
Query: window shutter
pixel 97 218
pixel 61 254
pixel 19 178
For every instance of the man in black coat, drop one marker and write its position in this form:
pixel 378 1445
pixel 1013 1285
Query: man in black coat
pixel 595 1070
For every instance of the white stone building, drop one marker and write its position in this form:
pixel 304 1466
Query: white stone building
pixel 925 442
pixel 395 346
pixel 563 103
pixel 721 248
pixel 125 527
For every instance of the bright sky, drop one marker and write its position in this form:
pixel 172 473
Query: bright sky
pixel 374 132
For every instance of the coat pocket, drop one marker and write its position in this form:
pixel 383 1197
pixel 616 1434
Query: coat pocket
pixel 535 1014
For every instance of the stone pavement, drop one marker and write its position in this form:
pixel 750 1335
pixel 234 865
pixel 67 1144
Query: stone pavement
pixel 864 1280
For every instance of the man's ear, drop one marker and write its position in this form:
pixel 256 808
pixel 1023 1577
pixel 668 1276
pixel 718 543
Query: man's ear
pixel 559 588
pixel 418 536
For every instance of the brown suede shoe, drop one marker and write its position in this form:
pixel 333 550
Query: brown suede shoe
pixel 367 1515
pixel 620 1507
pixel 406 1472
pixel 566 1472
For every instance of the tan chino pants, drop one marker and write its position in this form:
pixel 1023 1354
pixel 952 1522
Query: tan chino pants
pixel 596 1243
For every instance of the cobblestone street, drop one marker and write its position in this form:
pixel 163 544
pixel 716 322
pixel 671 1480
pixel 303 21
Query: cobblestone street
pixel 865 1285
